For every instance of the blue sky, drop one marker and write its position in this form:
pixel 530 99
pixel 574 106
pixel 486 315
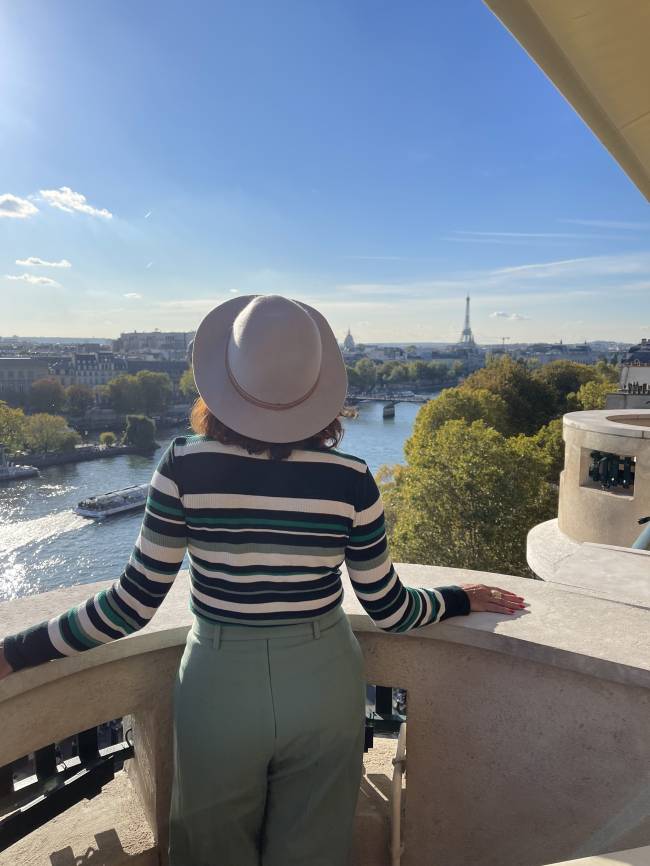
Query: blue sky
pixel 377 160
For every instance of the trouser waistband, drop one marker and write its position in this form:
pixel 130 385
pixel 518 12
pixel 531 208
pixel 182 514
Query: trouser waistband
pixel 219 631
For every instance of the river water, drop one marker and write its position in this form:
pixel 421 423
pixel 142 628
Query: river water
pixel 45 545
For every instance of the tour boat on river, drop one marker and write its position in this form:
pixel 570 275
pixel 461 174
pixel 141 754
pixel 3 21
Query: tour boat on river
pixel 107 504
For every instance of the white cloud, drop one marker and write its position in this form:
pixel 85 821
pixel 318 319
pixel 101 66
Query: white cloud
pixel 189 305
pixel 30 278
pixel 34 262
pixel 66 199
pixel 513 317
pixel 133 296
pixel 519 237
pixel 608 224
pixel 16 208
pixel 233 291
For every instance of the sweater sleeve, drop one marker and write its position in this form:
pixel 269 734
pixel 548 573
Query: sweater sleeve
pixel 393 606
pixel 131 601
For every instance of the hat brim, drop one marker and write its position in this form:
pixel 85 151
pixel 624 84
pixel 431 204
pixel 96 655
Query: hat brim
pixel 266 425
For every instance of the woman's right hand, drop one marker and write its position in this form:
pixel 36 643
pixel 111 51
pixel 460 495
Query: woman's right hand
pixel 5 667
pixel 492 599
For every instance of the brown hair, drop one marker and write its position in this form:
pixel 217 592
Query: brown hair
pixel 204 423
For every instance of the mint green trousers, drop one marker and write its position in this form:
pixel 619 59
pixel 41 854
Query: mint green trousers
pixel 268 744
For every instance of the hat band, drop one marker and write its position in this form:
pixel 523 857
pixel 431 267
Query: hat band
pixel 263 405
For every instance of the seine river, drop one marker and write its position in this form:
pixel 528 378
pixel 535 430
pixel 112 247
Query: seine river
pixel 45 545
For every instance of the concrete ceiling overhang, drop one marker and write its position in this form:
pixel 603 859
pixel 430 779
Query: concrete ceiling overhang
pixel 597 54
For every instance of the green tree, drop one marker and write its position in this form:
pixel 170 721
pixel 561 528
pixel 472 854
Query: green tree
pixel 457 370
pixel 79 399
pixel 12 427
pixel 353 377
pixel 531 403
pixel 467 499
pixel 156 390
pixel 125 394
pixel 548 444
pixel 108 439
pixel 367 372
pixel 564 378
pixel 187 385
pixel 140 432
pixel 453 404
pixel 608 372
pixel 398 373
pixel 47 395
pixel 46 433
pixel 436 373
pixel 591 395
pixel 417 371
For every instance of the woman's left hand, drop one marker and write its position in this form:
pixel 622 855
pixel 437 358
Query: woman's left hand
pixel 492 598
pixel 5 667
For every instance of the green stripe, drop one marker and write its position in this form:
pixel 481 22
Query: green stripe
pixel 151 503
pixel 114 617
pixel 355 539
pixel 76 629
pixel 416 598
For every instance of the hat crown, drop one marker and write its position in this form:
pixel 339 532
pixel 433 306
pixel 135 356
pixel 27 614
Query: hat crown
pixel 274 353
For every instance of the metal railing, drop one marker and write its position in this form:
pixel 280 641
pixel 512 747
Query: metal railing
pixel 38 787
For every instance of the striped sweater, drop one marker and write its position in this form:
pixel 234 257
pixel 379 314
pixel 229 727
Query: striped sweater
pixel 266 540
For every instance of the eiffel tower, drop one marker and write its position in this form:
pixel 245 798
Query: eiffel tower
pixel 467 338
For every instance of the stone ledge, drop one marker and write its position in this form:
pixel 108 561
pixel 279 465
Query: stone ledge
pixel 607 421
pixel 559 628
pixel 633 857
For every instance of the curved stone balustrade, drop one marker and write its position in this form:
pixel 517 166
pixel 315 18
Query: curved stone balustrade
pixel 586 512
pixel 527 734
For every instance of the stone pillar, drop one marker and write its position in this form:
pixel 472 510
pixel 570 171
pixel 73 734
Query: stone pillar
pixel 150 771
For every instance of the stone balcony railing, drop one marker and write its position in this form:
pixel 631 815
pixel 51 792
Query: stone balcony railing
pixel 527 736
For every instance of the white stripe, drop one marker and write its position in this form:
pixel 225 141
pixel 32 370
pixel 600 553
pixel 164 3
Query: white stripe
pixel 235 580
pixel 428 607
pixel 288 532
pixel 55 635
pixel 172 555
pixel 141 609
pixel 209 446
pixel 150 574
pixel 369 575
pixel 370 514
pixel 375 596
pixel 164 485
pixel 266 607
pixel 88 626
pixel 259 559
pixel 395 618
pixel 268 503
pixel 109 622
pixel 441 601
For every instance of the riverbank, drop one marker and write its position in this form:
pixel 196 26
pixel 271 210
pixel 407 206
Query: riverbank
pixel 80 455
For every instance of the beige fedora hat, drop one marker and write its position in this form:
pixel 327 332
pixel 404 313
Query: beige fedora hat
pixel 269 368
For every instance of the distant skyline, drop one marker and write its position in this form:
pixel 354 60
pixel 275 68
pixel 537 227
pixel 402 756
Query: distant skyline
pixel 378 161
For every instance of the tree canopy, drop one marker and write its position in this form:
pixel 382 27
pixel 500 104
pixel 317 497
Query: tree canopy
pixel 530 401
pixel 45 433
pixel 47 395
pixel 467 499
